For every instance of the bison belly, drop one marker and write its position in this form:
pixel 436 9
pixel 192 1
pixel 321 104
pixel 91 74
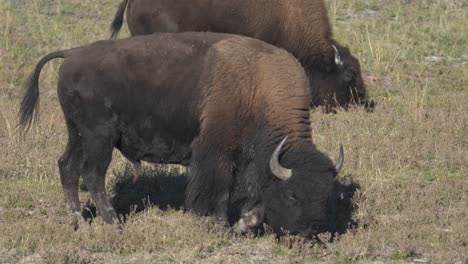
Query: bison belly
pixel 152 147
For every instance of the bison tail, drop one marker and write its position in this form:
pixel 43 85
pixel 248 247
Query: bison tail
pixel 118 19
pixel 28 108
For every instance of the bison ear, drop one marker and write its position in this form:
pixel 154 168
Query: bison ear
pixel 253 218
pixel 338 60
pixel 275 167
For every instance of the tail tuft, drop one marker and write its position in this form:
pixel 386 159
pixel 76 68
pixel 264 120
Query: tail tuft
pixel 118 19
pixel 29 105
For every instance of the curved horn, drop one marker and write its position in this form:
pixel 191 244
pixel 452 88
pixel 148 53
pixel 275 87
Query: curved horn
pixel 338 60
pixel 339 163
pixel 276 167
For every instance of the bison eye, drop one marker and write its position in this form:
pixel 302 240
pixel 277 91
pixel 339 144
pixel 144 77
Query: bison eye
pixel 292 197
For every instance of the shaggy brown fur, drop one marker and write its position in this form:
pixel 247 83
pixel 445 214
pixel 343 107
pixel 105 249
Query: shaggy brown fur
pixel 300 26
pixel 219 103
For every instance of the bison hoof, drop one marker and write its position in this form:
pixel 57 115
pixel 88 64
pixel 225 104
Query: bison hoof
pixel 119 229
pixel 77 220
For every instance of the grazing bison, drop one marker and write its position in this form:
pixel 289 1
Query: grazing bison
pixel 300 27
pixel 222 104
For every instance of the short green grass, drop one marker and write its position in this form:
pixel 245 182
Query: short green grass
pixel 408 156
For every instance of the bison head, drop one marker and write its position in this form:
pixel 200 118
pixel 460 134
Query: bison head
pixel 341 84
pixel 297 198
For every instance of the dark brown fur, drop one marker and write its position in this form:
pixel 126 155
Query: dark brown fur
pixel 300 26
pixel 219 103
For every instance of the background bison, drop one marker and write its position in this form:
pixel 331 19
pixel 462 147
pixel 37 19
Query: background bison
pixel 301 27
pixel 224 104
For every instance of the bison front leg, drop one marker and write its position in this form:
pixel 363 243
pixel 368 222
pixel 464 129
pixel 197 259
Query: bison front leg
pixel 209 184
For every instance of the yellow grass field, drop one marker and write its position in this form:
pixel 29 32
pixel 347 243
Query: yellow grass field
pixel 408 158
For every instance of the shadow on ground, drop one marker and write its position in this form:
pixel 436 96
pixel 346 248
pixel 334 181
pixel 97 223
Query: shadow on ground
pixel 165 188
pixel 157 186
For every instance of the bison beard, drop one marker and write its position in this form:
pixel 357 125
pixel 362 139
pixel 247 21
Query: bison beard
pixel 301 27
pixel 222 104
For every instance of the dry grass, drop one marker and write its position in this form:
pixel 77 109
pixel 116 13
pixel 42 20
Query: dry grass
pixel 408 156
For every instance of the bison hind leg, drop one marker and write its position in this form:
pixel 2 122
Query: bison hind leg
pixel 69 168
pixel 97 155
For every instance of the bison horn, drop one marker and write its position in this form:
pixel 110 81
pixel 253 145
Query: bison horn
pixel 339 163
pixel 276 167
pixel 338 60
